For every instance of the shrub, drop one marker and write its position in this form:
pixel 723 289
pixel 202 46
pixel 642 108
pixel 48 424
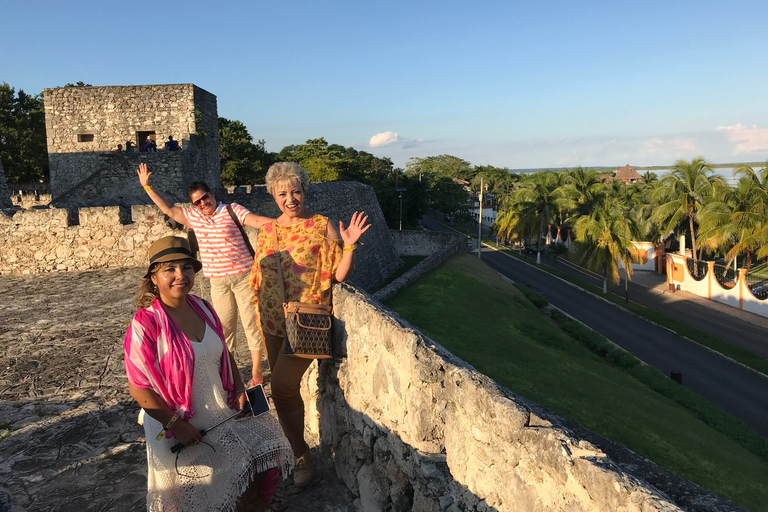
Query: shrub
pixel 533 296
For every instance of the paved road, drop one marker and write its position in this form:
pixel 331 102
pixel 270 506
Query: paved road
pixel 750 333
pixel 740 391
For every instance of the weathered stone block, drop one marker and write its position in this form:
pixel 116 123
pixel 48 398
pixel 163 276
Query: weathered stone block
pixel 374 493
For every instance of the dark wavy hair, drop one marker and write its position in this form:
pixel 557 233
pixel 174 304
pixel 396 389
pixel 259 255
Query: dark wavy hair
pixel 198 185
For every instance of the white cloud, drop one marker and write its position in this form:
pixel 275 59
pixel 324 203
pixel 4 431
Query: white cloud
pixel 383 139
pixel 666 148
pixel 746 139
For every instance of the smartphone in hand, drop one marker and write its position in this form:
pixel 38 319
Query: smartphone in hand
pixel 257 400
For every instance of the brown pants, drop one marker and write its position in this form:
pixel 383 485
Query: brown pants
pixel 286 375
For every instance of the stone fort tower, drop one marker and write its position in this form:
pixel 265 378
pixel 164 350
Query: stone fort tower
pixel 84 125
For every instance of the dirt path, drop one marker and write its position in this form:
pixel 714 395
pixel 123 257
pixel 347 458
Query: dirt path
pixel 68 433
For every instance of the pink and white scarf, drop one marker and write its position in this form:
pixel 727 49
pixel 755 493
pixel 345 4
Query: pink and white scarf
pixel 159 357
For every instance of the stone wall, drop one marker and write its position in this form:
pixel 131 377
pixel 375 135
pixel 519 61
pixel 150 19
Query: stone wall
pixel 29 195
pixel 437 246
pixel 408 426
pixel 81 238
pixel 5 196
pixel 421 243
pixel 84 125
pixel 57 239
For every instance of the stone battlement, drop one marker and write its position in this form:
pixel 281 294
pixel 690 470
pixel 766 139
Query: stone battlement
pixel 81 238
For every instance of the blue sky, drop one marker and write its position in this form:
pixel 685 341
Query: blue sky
pixel 512 84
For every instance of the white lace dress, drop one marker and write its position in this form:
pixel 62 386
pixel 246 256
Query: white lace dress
pixel 210 477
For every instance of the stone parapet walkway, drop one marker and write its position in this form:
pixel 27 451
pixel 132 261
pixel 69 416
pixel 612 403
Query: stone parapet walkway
pixel 69 440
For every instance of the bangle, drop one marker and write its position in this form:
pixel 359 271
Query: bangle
pixel 147 188
pixel 350 248
pixel 167 427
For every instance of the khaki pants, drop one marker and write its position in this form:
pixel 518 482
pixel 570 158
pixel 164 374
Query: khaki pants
pixel 286 376
pixel 230 294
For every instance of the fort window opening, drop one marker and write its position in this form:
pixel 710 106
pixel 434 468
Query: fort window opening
pixel 84 137
pixel 141 139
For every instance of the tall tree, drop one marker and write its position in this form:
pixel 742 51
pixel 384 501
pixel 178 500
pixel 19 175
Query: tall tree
pixel 242 161
pixel 682 193
pixel 736 223
pixel 581 188
pixel 603 238
pixel 23 147
pixel 442 166
pixel 497 181
pixel 528 211
pixel 322 161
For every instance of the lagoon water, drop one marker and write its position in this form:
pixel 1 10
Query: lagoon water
pixel 726 172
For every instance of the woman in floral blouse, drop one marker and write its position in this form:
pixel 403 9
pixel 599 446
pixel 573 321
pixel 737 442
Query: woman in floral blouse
pixel 313 259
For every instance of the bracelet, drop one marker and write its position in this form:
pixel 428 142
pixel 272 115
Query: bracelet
pixel 167 427
pixel 350 248
pixel 147 188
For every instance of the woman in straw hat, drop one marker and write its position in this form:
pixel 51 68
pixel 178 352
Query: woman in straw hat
pixel 181 374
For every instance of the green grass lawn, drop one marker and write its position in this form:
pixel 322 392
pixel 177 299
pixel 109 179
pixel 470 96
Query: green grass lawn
pixel 487 322
pixel 408 263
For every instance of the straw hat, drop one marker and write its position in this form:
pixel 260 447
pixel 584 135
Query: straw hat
pixel 171 248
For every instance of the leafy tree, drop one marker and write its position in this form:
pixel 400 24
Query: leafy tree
pixel 322 162
pixel 442 166
pixel 580 189
pixel 737 220
pixel 78 84
pixel 497 181
pixel 242 161
pixel 23 146
pixel 528 211
pixel 682 193
pixel 649 178
pixel 603 239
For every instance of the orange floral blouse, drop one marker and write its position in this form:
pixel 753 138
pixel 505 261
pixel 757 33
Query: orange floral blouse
pixel 309 262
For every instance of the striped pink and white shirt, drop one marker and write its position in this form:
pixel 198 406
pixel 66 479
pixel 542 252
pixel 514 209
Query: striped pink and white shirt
pixel 222 249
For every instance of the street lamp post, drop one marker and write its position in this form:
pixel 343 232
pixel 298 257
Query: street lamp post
pixel 401 190
pixel 626 269
pixel 480 221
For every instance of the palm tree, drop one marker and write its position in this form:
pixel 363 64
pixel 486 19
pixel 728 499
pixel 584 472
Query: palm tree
pixel 737 221
pixel 528 211
pixel 682 193
pixel 603 239
pixel 649 178
pixel 581 188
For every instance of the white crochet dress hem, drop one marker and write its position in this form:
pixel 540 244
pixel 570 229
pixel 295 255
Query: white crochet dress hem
pixel 212 475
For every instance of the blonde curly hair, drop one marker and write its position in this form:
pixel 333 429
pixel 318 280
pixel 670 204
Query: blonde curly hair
pixel 290 172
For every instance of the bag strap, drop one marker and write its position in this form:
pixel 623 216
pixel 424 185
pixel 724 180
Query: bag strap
pixel 242 231
pixel 279 263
